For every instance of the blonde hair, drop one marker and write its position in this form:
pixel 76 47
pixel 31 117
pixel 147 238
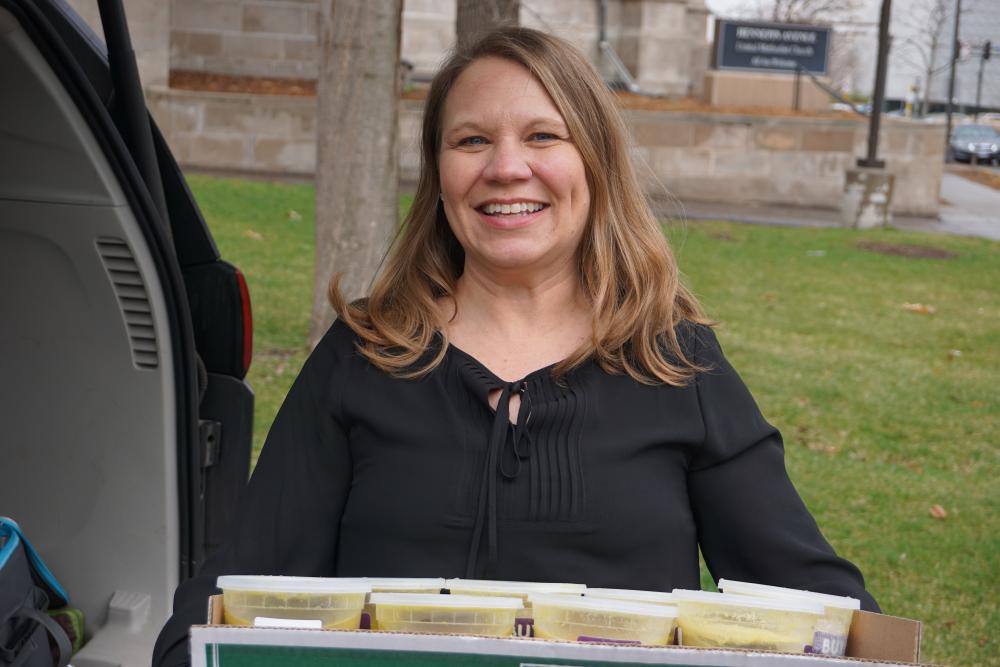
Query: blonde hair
pixel 627 269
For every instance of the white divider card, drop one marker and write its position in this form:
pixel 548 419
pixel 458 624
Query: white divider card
pixel 306 623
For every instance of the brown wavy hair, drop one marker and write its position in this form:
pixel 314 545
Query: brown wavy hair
pixel 626 267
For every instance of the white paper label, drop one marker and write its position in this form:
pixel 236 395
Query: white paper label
pixel 265 622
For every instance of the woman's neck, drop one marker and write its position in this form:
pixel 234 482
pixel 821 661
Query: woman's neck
pixel 515 325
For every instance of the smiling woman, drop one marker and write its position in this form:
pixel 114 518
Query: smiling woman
pixel 522 119
pixel 528 393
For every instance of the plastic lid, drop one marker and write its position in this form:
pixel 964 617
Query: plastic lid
pixel 519 587
pixel 733 600
pixel 380 583
pixel 746 588
pixel 602 604
pixel 280 584
pixel 652 597
pixel 445 601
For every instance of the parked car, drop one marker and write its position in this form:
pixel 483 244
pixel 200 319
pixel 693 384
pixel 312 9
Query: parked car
pixel 975 143
pixel 124 336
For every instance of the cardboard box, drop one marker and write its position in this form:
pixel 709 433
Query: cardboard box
pixel 874 640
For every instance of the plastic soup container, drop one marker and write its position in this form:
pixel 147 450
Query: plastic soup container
pixel 334 603
pixel 574 618
pixel 445 614
pixel 396 585
pixel 723 620
pixel 648 597
pixel 832 629
pixel 519 589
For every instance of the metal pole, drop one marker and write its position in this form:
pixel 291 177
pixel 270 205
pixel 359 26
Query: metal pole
pixel 951 79
pixel 979 87
pixel 602 21
pixel 798 84
pixel 871 160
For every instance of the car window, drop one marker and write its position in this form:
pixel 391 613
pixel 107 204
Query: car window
pixel 977 133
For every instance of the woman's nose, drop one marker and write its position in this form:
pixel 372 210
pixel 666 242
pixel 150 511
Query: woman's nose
pixel 508 162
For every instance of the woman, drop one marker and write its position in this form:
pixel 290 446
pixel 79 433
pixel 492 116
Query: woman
pixel 529 393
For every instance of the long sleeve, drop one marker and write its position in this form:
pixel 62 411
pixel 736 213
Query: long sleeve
pixel 289 514
pixel 752 525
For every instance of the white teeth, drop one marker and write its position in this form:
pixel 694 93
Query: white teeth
pixel 512 209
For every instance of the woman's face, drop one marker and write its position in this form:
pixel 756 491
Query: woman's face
pixel 514 185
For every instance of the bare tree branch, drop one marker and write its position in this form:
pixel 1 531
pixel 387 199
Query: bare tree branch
pixel 925 23
pixel 809 11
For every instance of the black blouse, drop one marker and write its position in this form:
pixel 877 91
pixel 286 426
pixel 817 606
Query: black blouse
pixel 604 481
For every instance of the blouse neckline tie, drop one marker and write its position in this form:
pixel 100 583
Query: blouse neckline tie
pixel 494 467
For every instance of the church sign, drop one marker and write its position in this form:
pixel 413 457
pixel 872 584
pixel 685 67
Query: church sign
pixel 772 47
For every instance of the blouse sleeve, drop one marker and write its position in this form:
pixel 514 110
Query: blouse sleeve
pixel 289 514
pixel 752 525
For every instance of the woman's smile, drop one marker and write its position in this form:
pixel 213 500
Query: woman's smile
pixel 511 213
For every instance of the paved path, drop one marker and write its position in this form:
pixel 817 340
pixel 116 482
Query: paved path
pixel 971 210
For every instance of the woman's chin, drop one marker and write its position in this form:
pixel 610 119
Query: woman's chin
pixel 515 259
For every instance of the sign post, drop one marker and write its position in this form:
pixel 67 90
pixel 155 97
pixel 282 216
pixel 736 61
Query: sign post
pixel 868 187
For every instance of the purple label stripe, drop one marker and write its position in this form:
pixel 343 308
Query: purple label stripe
pixel 524 627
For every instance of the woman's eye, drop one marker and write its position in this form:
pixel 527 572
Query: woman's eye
pixel 543 136
pixel 472 141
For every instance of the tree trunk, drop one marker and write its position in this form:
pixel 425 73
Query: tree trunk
pixel 357 203
pixel 476 17
pixel 930 74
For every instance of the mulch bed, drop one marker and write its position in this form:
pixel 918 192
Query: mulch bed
pixel 228 83
pixel 903 250
pixel 982 175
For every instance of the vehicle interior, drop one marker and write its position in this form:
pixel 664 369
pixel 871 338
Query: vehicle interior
pixel 124 336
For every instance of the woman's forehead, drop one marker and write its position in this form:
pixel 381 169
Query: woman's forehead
pixel 497 91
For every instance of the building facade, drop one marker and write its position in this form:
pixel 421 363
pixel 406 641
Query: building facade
pixel 661 43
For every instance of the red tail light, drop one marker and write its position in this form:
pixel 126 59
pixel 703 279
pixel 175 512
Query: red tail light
pixel 247 321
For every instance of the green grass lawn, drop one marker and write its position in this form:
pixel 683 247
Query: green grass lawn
pixel 886 411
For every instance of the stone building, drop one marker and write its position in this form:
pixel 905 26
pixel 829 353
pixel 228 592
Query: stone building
pixel 661 43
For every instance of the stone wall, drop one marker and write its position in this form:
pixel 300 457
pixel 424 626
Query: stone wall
pixel 657 46
pixel 770 90
pixel 798 161
pixel 149 28
pixel 733 159
pixel 273 38
pixel 264 134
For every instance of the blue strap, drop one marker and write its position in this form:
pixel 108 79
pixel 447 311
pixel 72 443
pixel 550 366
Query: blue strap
pixel 10 530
